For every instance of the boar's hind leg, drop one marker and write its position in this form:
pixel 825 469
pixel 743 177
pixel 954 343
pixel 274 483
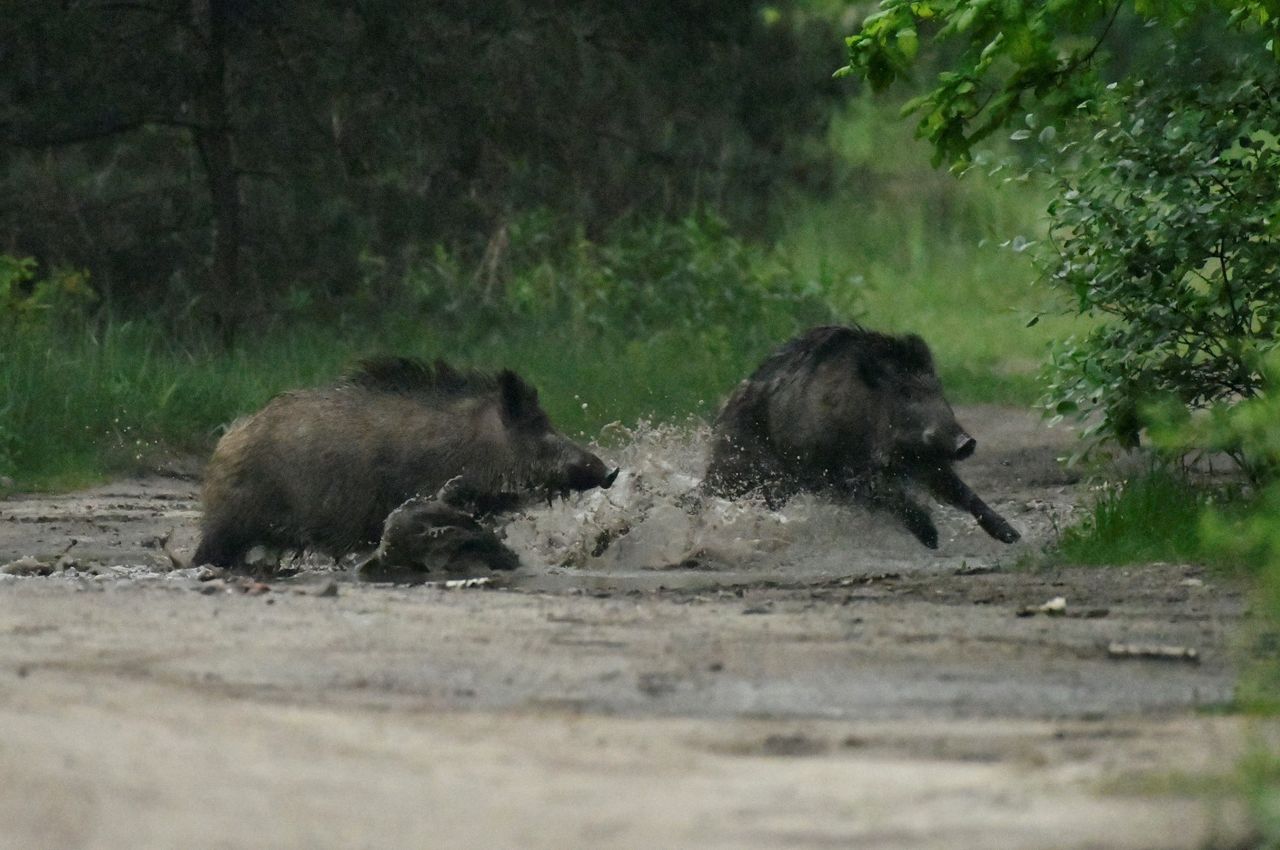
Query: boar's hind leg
pixel 888 496
pixel 948 487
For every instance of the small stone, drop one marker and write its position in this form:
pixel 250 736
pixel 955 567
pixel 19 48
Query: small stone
pixel 1055 607
pixel 1154 652
pixel 330 590
pixel 466 583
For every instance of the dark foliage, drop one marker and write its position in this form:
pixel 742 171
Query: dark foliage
pixel 1166 234
pixel 221 158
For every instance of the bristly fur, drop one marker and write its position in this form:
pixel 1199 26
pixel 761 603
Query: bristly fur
pixel 392 429
pixel 410 376
pixel 853 412
pixel 908 353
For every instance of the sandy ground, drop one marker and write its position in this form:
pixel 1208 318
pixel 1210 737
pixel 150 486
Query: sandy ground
pixel 807 678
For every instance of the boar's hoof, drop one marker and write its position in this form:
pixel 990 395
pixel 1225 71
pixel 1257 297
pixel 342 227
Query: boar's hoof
pixel 923 529
pixel 610 478
pixel 999 528
pixel 965 446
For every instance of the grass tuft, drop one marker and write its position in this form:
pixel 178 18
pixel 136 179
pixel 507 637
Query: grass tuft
pixel 1152 517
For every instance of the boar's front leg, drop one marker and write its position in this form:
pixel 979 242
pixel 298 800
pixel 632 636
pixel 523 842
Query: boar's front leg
pixel 884 493
pixel 948 487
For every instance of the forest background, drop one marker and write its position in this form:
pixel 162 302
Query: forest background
pixel 206 203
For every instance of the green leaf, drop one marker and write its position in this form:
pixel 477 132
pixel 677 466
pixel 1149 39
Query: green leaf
pixel 992 47
pixel 908 43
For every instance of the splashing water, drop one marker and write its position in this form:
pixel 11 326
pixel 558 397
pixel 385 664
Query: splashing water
pixel 653 527
pixel 655 517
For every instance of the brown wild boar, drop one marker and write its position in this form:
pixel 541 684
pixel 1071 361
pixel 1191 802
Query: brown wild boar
pixel 322 469
pixel 851 412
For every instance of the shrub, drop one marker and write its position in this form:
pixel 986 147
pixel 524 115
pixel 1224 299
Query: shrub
pixel 1168 233
pixel 693 275
pixel 27 303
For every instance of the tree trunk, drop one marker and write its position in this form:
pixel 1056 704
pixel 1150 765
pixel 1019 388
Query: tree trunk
pixel 215 140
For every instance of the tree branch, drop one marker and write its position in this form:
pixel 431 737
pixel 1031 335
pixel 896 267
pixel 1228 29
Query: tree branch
pixel 101 127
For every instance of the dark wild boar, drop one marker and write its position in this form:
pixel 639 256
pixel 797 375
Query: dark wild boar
pixel 851 412
pixel 322 469
pixel 426 534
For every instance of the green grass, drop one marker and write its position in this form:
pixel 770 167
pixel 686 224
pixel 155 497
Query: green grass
pixel 81 408
pixel 1260 772
pixel 1153 517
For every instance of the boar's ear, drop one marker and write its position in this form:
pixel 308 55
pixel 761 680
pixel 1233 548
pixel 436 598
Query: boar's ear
pixel 870 369
pixel 519 400
pixel 915 354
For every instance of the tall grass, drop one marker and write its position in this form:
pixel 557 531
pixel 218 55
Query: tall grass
pixel 1151 517
pixel 89 406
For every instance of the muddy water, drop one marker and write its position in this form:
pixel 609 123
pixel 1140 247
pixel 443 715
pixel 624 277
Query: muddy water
pixel 652 528
pixel 655 527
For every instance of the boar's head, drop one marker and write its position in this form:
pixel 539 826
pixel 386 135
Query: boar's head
pixel 924 427
pixel 550 460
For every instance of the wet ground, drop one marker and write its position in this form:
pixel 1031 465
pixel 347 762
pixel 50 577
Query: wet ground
pixel 727 676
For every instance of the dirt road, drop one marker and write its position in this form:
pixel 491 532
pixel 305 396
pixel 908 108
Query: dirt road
pixel 732 678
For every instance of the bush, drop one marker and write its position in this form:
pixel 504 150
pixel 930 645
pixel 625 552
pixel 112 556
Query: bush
pixel 687 275
pixel 691 276
pixel 1168 233
pixel 27 303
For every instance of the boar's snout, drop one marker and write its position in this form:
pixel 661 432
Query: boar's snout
pixel 589 472
pixel 952 443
